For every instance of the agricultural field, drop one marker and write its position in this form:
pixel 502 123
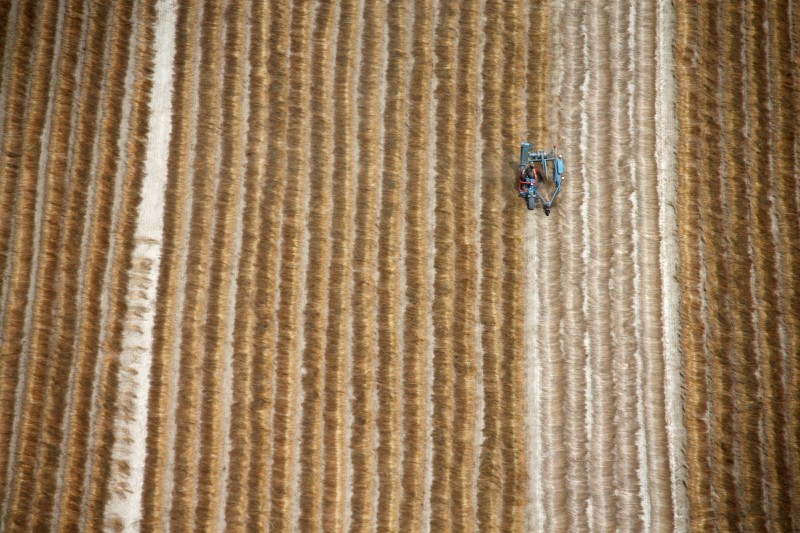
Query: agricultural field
pixel 264 266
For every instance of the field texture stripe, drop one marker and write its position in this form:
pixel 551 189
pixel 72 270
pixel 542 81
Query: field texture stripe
pixel 738 244
pixel 462 508
pixel 229 159
pixel 364 250
pixel 62 336
pixel 772 510
pixel 586 247
pixel 255 207
pixel 25 143
pixel 414 341
pixel 689 271
pixel 81 501
pixel 554 436
pixel 660 505
pixel 490 473
pixel 320 174
pixel 55 146
pixel 443 286
pixel 389 452
pixel 666 161
pixel 335 392
pixel 717 275
pixel 267 264
pixel 124 508
pixel 155 511
pixel 604 294
pixel 536 119
pixel 790 209
pixel 286 370
pixel 88 128
pixel 785 133
pixel 6 20
pixel 512 370
pixel 113 105
pixel 623 276
pixel 128 180
pixel 188 494
pixel 747 384
pixel 14 113
pixel 41 293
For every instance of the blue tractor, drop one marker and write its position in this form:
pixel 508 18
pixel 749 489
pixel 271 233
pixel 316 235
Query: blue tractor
pixel 539 176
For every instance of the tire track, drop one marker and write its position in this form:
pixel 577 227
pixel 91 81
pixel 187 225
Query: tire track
pixel 667 164
pixel 130 445
pixel 166 331
pixel 315 313
pixel 334 498
pixel 389 265
pixel 289 328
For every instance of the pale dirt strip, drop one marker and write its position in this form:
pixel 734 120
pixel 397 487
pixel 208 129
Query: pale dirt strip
pixel 601 317
pixel 129 452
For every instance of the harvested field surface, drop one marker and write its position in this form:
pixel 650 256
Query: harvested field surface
pixel 263 266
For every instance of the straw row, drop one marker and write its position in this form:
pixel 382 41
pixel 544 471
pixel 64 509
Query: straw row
pixel 740 374
pixel 86 120
pixel 390 310
pixel 462 506
pixel 320 173
pixel 357 325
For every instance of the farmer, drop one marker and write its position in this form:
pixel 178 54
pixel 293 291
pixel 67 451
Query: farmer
pixel 530 173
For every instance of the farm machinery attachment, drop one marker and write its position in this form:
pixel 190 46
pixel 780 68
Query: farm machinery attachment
pixel 539 176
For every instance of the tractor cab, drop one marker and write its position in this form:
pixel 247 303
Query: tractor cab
pixel 539 176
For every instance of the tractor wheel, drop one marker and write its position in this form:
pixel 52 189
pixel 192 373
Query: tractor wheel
pixel 531 202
